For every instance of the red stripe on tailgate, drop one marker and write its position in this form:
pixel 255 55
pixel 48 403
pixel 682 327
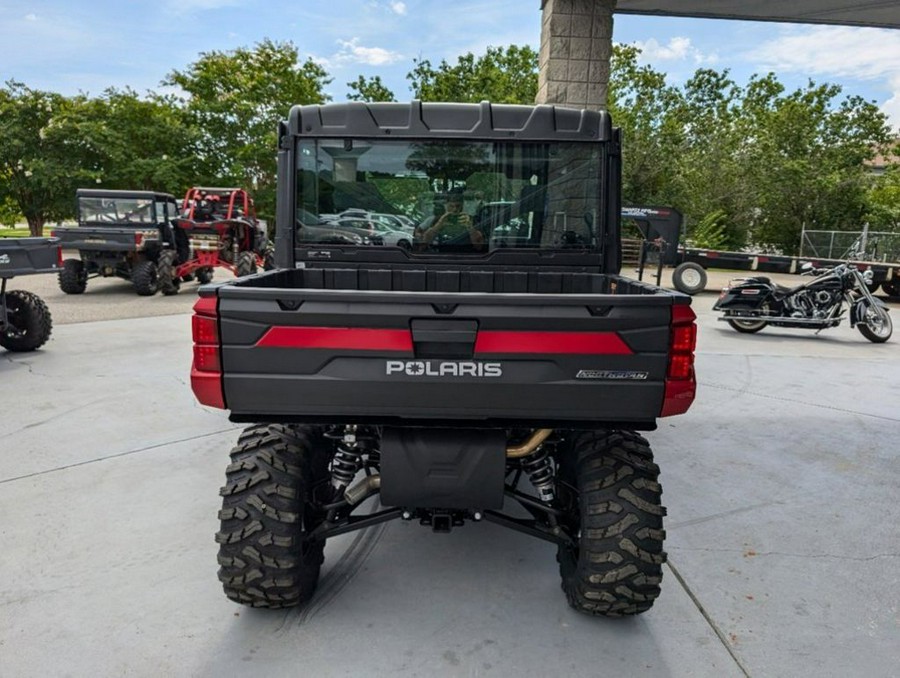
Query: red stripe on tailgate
pixel 597 343
pixel 350 338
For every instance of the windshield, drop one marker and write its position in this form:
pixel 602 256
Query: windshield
pixel 116 210
pixel 461 196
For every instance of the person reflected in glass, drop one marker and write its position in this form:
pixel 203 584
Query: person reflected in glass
pixel 453 226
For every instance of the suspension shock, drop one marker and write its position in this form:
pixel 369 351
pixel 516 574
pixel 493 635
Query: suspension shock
pixel 347 459
pixel 540 472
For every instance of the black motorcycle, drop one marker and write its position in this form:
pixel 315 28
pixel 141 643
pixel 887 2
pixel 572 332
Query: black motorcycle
pixel 749 304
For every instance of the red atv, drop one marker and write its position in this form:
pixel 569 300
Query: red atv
pixel 217 228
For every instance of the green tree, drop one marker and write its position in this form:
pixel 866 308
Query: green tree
pixel 765 162
pixel 650 115
pixel 883 200
pixel 39 170
pixel 503 75
pixel 9 212
pixel 369 90
pixel 808 161
pixel 237 99
pixel 135 143
pixel 710 231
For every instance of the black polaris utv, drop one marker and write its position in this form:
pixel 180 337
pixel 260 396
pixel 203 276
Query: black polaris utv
pixel 119 233
pixel 499 370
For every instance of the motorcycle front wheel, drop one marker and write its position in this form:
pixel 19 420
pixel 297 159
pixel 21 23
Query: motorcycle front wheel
pixel 876 325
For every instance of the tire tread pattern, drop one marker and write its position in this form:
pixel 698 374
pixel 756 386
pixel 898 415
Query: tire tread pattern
pixel 72 278
pixel 263 559
pixel 617 569
pixel 165 272
pixel 245 264
pixel 33 317
pixel 144 278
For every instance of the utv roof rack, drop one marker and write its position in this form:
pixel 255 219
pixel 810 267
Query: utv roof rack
pixel 475 121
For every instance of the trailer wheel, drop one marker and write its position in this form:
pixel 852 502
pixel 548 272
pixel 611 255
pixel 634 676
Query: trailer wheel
pixel 615 566
pixel 144 278
pixel 165 271
pixel 245 264
pixel 28 322
pixel 689 278
pixel 73 277
pixel 205 275
pixel 267 510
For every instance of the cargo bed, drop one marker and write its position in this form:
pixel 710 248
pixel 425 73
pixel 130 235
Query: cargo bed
pixel 103 239
pixel 450 347
pixel 23 256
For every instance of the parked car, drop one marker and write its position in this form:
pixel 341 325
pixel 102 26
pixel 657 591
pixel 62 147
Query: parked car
pixel 375 229
pixel 394 222
pixel 315 229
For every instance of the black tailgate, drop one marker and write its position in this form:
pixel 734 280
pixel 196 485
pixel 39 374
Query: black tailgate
pixel 386 357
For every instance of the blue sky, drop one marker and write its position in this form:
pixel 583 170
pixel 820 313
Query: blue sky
pixel 87 45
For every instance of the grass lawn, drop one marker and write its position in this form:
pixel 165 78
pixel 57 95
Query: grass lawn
pixel 21 232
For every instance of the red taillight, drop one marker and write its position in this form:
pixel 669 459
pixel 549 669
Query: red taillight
pixel 681 367
pixel 59 257
pixel 206 359
pixel 681 385
pixel 684 338
pixel 138 238
pixel 206 306
pixel 204 330
pixel 206 372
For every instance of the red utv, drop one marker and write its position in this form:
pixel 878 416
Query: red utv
pixel 217 228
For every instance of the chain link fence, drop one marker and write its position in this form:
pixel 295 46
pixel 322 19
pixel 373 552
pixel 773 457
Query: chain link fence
pixel 857 245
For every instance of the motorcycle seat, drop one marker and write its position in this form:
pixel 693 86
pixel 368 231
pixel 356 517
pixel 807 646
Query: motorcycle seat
pixel 780 289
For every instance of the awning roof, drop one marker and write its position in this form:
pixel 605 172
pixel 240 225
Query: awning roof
pixel 877 13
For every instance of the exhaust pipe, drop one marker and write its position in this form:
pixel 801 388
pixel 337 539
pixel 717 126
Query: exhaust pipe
pixel 530 445
pixel 363 489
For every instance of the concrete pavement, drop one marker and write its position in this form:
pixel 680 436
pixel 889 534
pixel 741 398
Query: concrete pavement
pixel 783 531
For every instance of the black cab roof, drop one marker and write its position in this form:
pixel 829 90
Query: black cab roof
pixel 109 193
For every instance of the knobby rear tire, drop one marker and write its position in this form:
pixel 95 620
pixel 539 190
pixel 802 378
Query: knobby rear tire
pixel 145 279
pixel 30 323
pixel 615 569
pixel 269 259
pixel 205 275
pixel 245 264
pixel 72 277
pixel 267 509
pixel 169 283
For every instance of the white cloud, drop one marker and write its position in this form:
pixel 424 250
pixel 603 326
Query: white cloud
pixel 677 49
pixel 862 53
pixel 184 7
pixel 832 52
pixel 398 7
pixel 352 52
pixel 31 17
